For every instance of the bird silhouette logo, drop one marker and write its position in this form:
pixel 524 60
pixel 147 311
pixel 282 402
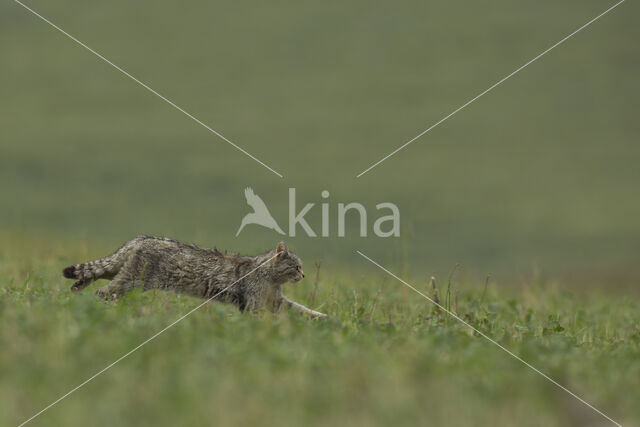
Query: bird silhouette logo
pixel 260 215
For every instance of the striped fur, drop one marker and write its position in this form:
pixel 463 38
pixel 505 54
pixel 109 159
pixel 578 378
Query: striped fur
pixel 169 265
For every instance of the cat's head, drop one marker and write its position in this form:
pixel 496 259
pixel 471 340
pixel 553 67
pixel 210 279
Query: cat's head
pixel 287 267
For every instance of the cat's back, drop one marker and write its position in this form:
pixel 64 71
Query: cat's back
pixel 167 246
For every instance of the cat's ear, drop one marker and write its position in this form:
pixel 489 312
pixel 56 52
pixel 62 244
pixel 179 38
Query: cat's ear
pixel 281 249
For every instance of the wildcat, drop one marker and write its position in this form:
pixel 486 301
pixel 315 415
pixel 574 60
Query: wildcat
pixel 248 282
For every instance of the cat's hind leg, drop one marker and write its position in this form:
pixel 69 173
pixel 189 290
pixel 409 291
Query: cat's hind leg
pixel 81 284
pixel 115 289
pixel 131 274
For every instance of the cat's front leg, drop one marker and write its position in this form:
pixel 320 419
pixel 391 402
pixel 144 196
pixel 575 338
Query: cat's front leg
pixel 302 308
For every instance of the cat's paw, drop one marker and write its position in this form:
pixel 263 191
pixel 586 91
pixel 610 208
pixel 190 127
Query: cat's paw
pixel 106 294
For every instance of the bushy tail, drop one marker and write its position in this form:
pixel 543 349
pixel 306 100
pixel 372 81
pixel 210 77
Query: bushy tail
pixel 89 270
pixel 70 272
pixel 82 271
pixel 103 268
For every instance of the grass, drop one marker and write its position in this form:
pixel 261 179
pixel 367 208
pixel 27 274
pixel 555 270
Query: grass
pixel 542 172
pixel 384 356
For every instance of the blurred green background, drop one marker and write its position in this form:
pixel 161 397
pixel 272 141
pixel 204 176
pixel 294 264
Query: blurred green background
pixel 541 174
pixel 535 183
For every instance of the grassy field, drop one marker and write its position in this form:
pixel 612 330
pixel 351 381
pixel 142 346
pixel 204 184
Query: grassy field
pixel 535 183
pixel 384 356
